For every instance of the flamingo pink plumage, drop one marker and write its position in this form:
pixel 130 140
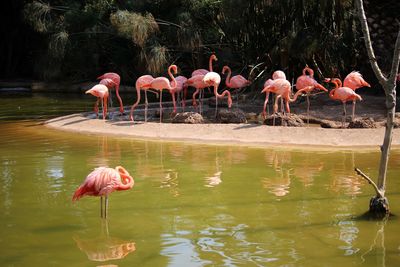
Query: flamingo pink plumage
pixel 103 181
pixel 214 79
pixel 101 92
pixel 234 82
pixel 280 87
pixel 139 85
pixel 116 80
pixel 197 82
pixel 305 84
pixel 343 94
pixel 161 83
pixel 181 89
pixel 354 80
pixel 278 74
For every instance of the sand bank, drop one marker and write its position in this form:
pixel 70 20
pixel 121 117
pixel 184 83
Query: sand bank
pixel 231 134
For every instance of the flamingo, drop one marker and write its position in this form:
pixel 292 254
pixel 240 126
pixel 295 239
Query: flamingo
pixel 204 71
pixel 281 87
pixel 305 84
pixel 101 92
pixel 197 82
pixel 181 89
pixel 102 181
pixel 161 83
pixel 343 94
pixel 116 80
pixel 278 74
pixel 140 82
pixel 213 79
pixel 354 80
pixel 212 58
pixel 235 82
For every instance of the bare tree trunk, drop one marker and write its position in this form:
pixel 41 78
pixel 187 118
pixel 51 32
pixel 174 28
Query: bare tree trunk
pixel 379 204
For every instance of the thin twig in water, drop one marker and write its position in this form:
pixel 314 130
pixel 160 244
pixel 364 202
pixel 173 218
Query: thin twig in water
pixel 359 172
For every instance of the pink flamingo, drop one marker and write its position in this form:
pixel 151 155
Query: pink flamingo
pixel 213 79
pixel 354 80
pixel 101 92
pixel 103 181
pixel 180 90
pixel 236 82
pixel 161 83
pixel 140 82
pixel 204 71
pixel 116 80
pixel 197 82
pixel 343 94
pixel 280 87
pixel 278 74
pixel 305 84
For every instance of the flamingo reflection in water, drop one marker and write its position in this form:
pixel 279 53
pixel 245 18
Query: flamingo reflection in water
pixel 279 184
pixel 104 247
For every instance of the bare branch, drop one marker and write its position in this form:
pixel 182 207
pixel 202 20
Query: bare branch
pixel 364 26
pixel 378 192
pixel 396 59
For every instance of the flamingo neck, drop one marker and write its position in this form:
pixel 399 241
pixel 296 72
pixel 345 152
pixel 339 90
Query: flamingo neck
pixel 127 181
pixel 173 82
pixel 228 77
pixel 310 71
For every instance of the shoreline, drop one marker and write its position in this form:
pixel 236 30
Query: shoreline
pixel 254 135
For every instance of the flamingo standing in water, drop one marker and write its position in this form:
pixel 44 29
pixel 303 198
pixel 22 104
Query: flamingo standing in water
pixel 101 92
pixel 235 82
pixel 103 181
pixel 116 80
pixel 161 83
pixel 139 85
pixel 305 84
pixel 354 80
pixel 213 79
pixel 343 94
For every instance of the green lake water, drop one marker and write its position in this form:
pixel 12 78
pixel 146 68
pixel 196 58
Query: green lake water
pixel 192 205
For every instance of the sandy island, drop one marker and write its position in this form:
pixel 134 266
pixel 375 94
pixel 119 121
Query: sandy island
pixel 230 134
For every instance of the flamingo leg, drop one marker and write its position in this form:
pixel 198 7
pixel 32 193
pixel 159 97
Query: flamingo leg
pixel 101 207
pixel 344 115
pixel 308 109
pixel 282 108
pixel 216 105
pixel 353 111
pixel 121 106
pixel 146 104
pixel 201 96
pixel 194 102
pixel 105 104
pixel 275 109
pixel 102 105
pixel 266 106
pixel 160 105
pixel 96 107
pixel 174 102
pixel 106 207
